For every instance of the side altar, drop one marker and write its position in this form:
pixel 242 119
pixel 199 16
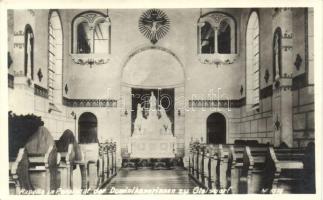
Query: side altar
pixel 152 137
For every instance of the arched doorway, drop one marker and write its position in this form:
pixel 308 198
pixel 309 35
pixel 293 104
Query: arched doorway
pixel 88 128
pixel 216 129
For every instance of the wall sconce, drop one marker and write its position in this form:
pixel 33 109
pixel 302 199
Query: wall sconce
pixel 73 114
pixel 125 112
pixel 179 112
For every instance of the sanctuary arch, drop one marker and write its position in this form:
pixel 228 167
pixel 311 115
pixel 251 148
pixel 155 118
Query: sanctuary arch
pixel 152 96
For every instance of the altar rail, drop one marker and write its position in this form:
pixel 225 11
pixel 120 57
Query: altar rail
pixel 251 169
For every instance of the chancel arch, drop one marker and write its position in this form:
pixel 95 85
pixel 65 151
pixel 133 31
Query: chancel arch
pixel 216 129
pixel 152 79
pixel 152 67
pixel 88 125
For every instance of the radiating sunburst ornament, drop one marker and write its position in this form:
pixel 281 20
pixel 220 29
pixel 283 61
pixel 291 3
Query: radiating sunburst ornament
pixel 154 24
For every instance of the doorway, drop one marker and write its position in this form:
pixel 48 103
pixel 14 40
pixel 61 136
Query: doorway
pixel 216 129
pixel 88 128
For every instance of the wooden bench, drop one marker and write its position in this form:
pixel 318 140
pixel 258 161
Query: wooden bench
pixel 40 169
pixel 223 152
pixel 91 163
pixel 66 168
pixel 21 127
pixel 201 160
pixel 235 163
pixel 253 175
pixel 210 166
pixel 108 160
pixel 287 172
pixel 37 163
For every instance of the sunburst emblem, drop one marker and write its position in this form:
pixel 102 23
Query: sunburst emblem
pixel 154 24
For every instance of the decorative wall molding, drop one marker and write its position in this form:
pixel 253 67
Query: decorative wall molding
pixel 18 45
pixel 19 33
pixel 232 103
pixel 11 81
pixel 137 51
pixel 40 91
pixel 89 102
pixel 287 47
pixel 277 11
pixel 217 59
pixel 287 76
pixel 90 59
pixel 287 35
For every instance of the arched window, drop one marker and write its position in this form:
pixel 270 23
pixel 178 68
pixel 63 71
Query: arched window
pixel 224 38
pixel 29 52
pixel 252 61
pixel 55 58
pixel 91 33
pixel 217 34
pixel 207 38
pixel 277 53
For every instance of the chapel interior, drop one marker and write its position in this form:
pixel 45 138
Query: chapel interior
pixel 219 99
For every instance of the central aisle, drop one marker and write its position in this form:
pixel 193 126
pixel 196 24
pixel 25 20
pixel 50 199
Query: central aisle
pixel 131 181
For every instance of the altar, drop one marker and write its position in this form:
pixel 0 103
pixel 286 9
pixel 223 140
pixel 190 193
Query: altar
pixel 152 136
pixel 158 147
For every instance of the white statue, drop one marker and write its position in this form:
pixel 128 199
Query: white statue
pixel 167 124
pixel 152 126
pixel 138 121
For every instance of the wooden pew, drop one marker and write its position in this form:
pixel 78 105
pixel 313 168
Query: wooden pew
pixel 253 175
pixel 66 168
pixel 91 164
pixel 21 127
pixel 287 172
pixel 196 153
pixel 210 166
pixel 37 164
pixel 71 158
pixel 196 162
pixel 223 152
pixel 235 163
pixel 192 158
pixel 201 157
pixel 108 160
